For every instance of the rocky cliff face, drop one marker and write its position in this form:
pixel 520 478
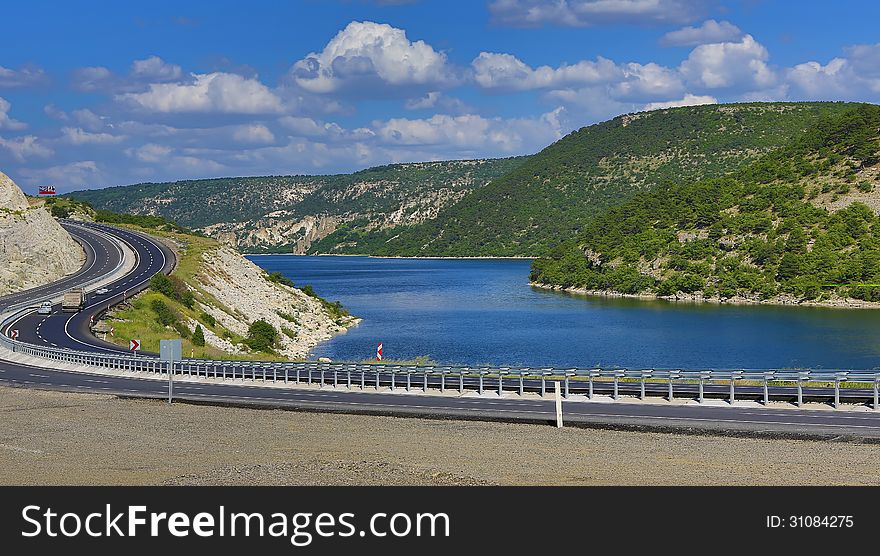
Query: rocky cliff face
pixel 34 248
pixel 245 295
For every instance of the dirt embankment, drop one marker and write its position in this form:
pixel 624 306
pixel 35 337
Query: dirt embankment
pixel 58 438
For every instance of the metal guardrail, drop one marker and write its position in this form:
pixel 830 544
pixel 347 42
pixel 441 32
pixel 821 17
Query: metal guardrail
pixel 588 381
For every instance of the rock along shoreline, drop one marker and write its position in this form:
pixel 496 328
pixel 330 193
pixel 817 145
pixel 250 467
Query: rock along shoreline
pixel 681 297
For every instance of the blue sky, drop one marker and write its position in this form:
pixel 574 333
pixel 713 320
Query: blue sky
pixel 106 93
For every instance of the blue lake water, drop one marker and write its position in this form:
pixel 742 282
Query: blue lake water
pixel 479 312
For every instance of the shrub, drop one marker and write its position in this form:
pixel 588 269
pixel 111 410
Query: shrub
pixel 165 315
pixel 208 319
pixel 198 336
pixel 278 278
pixel 261 336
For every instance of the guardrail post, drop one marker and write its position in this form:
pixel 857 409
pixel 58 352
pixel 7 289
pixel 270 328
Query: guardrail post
pixel 876 395
pixel 335 377
pixel 543 385
pixel 377 380
pixel 500 384
pixel 348 377
pixel 642 387
pixel 700 396
pixel 408 379
pixel 670 395
pixel 392 380
pixel 616 388
pixel 590 392
pixel 442 381
pixel 836 392
pixel 480 390
pixel 521 389
pixel 766 391
pixel 424 381
pixel 363 379
pixel 310 376
pixel 274 373
pixel 565 394
pixel 800 388
pixel 321 384
pixel 461 382
pixel 732 390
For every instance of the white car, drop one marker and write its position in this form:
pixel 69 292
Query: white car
pixel 102 291
pixel 45 308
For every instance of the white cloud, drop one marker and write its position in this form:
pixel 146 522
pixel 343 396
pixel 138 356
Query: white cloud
pixel 253 133
pixel 505 71
pixel 723 65
pixel 710 31
pixel 149 152
pixel 155 69
pixel 584 13
pixel 22 148
pixel 688 100
pixel 641 81
pixel 90 79
pixel 25 77
pixel 472 132
pixel 212 92
pixel 367 55
pixel 78 136
pixel 427 101
pixel 73 175
pixel 854 77
pixel 5 121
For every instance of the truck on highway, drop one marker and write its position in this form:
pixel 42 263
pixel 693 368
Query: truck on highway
pixel 74 300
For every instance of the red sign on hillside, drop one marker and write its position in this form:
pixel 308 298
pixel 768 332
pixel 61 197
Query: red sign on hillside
pixel 47 190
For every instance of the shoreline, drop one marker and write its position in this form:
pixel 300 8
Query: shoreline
pixel 487 258
pixel 779 300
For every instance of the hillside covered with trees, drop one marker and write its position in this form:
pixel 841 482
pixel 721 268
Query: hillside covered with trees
pixel 800 223
pixel 552 194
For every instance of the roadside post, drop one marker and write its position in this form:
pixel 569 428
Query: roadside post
pixel 170 351
pixel 134 346
pixel 558 391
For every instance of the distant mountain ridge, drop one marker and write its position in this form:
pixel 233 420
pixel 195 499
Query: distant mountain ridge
pixel 288 213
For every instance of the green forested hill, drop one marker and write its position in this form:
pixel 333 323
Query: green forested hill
pixel 550 196
pixel 800 221
pixel 276 212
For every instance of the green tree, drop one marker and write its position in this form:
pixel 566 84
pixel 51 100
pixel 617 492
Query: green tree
pixel 198 336
pixel 261 336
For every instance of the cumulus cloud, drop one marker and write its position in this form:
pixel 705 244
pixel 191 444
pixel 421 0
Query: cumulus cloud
pixel 253 133
pixel 141 74
pixel 22 148
pixel 149 152
pixel 155 69
pixel 26 76
pixel 585 13
pixel 472 132
pixel 853 77
pixel 688 100
pixel 367 55
pixel 212 92
pixel 505 71
pixel 79 174
pixel 710 31
pixel 741 64
pixel 6 122
pixel 78 136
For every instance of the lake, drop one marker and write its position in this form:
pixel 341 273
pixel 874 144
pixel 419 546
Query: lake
pixel 481 312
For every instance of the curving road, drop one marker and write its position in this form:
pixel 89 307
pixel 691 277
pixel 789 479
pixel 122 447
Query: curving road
pixel 103 255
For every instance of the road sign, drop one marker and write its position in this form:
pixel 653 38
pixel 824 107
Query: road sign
pixel 112 331
pixel 13 334
pixel 134 345
pixel 46 190
pixel 171 351
pixel 379 352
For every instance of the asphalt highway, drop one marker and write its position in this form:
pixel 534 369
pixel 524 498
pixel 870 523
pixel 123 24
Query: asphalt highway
pixel 70 330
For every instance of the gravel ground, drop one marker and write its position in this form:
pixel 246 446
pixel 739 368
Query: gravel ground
pixel 59 438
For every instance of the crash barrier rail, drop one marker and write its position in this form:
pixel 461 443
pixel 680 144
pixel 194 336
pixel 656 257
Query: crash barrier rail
pixel 761 384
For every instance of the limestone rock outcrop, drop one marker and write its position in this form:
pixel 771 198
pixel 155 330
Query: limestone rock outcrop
pixel 34 248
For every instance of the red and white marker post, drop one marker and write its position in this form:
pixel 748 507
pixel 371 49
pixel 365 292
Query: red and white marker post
pixel 134 345
pixel 13 334
pixel 379 352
